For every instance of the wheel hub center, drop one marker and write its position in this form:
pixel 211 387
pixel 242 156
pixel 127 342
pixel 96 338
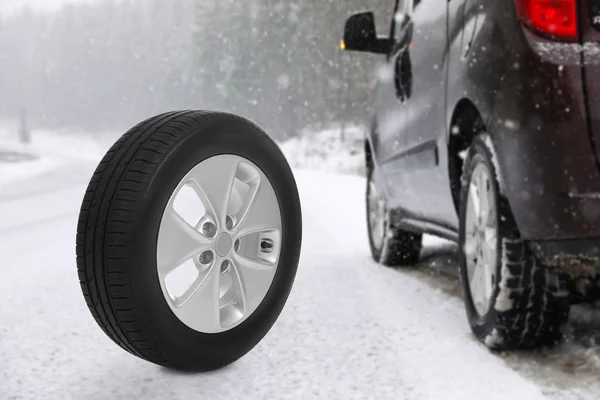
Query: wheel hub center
pixel 223 244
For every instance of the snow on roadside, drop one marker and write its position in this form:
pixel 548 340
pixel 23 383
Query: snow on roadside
pixel 66 143
pixel 317 150
pixel 47 151
pixel 325 150
pixel 15 171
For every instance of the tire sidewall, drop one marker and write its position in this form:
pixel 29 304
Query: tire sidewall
pixel 225 135
pixel 479 153
pixel 376 252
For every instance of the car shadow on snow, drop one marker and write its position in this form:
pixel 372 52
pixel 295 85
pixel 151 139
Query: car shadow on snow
pixel 573 365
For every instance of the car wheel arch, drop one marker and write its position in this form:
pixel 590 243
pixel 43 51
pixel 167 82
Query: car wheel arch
pixel 466 123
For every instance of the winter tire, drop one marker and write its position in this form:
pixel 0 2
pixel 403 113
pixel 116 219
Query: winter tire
pixel 511 300
pixel 389 245
pixel 189 238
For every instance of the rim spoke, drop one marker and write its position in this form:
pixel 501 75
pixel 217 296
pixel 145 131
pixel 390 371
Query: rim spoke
pixel 201 301
pixel 490 220
pixel 253 276
pixel 476 283
pixel 474 199
pixel 484 201
pixel 491 237
pixel 213 183
pixel 177 242
pixel 262 212
pixel 489 265
pixel 472 208
pixel 470 248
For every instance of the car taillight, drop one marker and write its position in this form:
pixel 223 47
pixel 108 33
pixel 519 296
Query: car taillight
pixel 551 17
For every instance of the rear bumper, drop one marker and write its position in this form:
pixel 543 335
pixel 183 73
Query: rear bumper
pixel 576 257
pixel 540 131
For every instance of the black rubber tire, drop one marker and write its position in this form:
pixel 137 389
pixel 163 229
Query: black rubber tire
pixel 118 229
pixel 399 248
pixel 530 302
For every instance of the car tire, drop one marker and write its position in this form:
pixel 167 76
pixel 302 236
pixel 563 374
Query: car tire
pixel 119 233
pixel 389 245
pixel 511 300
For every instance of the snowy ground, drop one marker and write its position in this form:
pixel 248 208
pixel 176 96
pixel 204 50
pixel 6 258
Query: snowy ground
pixel 328 150
pixel 351 329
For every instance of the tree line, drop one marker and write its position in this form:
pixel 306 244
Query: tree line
pixel 108 64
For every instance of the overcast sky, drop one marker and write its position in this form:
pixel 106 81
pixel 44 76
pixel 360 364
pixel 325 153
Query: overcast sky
pixel 12 5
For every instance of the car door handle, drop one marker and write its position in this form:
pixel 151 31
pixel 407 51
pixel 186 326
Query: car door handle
pixel 404 41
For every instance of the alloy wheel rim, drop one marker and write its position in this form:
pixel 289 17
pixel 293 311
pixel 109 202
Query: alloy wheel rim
pixel 481 239
pixel 219 243
pixel 376 210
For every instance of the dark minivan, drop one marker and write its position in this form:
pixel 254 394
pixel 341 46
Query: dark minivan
pixel 486 131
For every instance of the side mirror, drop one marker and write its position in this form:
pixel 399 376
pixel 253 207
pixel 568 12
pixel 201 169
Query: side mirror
pixel 360 35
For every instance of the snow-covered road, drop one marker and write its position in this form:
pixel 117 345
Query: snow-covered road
pixel 351 329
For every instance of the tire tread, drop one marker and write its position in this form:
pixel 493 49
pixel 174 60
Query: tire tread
pixel 105 223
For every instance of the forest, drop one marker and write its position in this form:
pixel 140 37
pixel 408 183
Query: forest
pixel 106 65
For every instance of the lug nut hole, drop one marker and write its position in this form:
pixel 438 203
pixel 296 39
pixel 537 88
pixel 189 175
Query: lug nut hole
pixel 209 230
pixel 206 258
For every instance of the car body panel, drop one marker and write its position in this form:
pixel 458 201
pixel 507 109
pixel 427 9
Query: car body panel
pixel 425 125
pixel 412 156
pixel 477 58
pixel 541 136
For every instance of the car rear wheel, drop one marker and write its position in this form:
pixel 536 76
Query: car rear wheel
pixel 511 300
pixel 389 245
